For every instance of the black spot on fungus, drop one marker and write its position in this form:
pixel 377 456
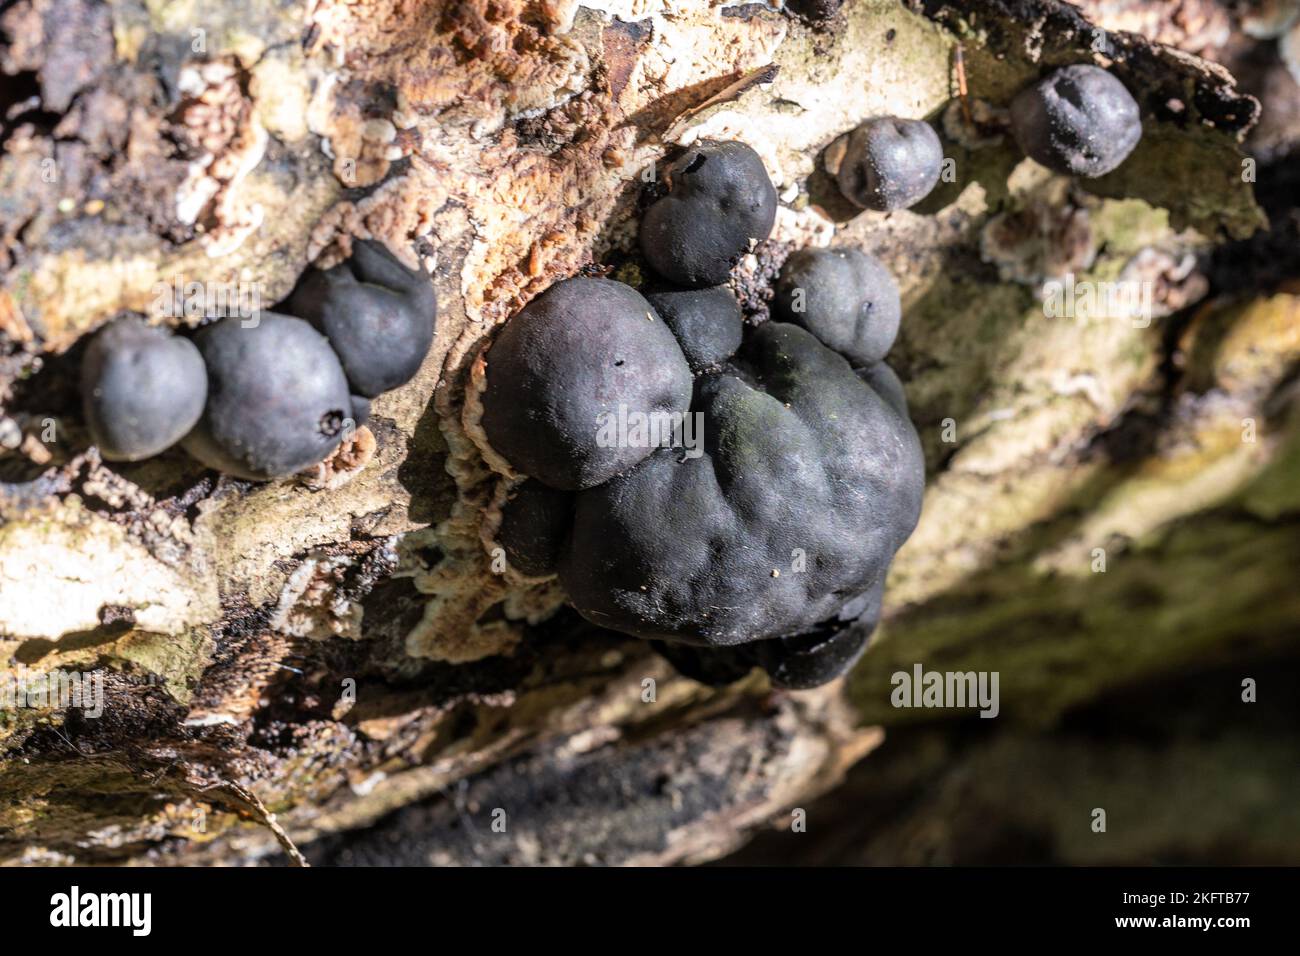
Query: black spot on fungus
pixel 377 314
pixel 707 322
pixel 1079 120
pixel 534 524
pixel 551 377
pixel 845 297
pixel 277 397
pixel 142 389
pixel 808 483
pixel 890 163
pixel 719 198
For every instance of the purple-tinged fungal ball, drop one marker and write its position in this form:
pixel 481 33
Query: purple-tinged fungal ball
pixel 719 199
pixel 142 388
pixel 583 350
pixel 1079 120
pixel 845 297
pixel 890 163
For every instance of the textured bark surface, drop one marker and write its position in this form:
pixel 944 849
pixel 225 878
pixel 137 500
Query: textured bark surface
pixel 330 663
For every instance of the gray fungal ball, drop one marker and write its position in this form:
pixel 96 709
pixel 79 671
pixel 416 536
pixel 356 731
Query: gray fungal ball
pixel 708 323
pixel 584 350
pixel 719 198
pixel 377 314
pixel 890 163
pixel 1079 120
pixel 142 389
pixel 845 297
pixel 278 400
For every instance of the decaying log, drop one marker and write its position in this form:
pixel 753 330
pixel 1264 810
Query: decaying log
pixel 285 665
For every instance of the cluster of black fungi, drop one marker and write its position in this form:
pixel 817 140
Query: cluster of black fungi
pixel 265 395
pixel 766 544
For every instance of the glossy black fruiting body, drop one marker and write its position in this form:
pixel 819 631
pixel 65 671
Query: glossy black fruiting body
pixel 535 522
pixel 278 400
pixel 581 350
pixel 808 482
pixel 890 163
pixel 377 314
pixel 719 198
pixel 142 389
pixel 1079 120
pixel 845 297
pixel 708 323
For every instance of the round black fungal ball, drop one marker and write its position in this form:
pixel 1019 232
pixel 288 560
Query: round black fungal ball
pixel 378 315
pixel 142 389
pixel 707 322
pixel 534 525
pixel 845 297
pixel 278 400
pixel 890 163
pixel 1080 121
pixel 807 483
pixel 719 198
pixel 584 350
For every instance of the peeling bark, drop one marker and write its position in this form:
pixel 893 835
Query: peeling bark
pixel 288 664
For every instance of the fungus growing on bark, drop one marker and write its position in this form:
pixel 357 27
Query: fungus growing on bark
pixel 278 400
pixel 889 163
pixel 582 350
pixel 142 389
pixel 378 315
pixel 1079 120
pixel 845 297
pixel 808 482
pixel 719 199
pixel 707 322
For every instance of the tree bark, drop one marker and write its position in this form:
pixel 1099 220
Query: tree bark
pixel 328 669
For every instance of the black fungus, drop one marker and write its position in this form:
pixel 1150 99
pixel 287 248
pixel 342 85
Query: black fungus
pixel 707 322
pixel 1080 120
pixel 845 297
pixel 800 662
pixel 582 351
pixel 890 163
pixel 377 314
pixel 535 521
pixel 808 482
pixel 810 660
pixel 278 400
pixel 719 199
pixel 142 389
